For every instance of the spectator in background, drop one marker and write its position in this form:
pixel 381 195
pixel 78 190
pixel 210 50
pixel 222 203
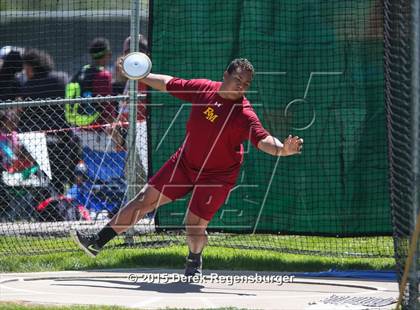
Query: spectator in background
pixel 90 81
pixel 94 121
pixel 119 79
pixel 16 202
pixel 45 83
pixel 141 108
pixel 42 83
pixel 141 127
pixel 11 64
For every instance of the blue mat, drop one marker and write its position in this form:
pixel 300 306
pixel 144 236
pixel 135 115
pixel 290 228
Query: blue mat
pixel 388 275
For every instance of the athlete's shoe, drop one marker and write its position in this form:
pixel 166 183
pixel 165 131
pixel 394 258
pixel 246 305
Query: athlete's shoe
pixel 193 267
pixel 87 243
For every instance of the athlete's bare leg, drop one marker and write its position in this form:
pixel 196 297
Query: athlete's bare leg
pixel 196 232
pixel 147 200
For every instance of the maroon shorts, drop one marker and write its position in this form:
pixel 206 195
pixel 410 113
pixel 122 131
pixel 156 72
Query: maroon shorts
pixel 176 180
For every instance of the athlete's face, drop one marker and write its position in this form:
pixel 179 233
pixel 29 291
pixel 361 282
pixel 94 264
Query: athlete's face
pixel 237 83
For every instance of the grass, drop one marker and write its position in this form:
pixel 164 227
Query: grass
pixel 174 256
pixel 61 253
pixel 329 246
pixel 361 246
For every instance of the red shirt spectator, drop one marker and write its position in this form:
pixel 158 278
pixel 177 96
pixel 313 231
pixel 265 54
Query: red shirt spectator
pixel 141 107
pixel 102 86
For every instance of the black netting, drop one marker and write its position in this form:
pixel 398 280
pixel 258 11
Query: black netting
pixel 63 163
pixel 398 38
pixel 319 74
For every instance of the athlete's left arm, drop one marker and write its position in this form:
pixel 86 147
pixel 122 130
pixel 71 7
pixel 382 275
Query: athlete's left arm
pixel 290 146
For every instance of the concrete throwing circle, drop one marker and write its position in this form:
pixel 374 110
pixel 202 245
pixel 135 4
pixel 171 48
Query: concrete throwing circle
pixel 155 289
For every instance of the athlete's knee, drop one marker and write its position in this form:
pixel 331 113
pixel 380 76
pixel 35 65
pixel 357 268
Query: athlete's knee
pixel 196 231
pixel 146 201
pixel 138 203
pixel 141 195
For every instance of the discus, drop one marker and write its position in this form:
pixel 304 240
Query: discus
pixel 136 65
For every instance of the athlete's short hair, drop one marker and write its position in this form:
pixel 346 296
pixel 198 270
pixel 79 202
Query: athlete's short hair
pixel 242 63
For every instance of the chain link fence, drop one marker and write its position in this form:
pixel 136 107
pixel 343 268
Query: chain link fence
pixel 56 171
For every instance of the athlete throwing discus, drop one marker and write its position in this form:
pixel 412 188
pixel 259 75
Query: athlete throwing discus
pixel 208 161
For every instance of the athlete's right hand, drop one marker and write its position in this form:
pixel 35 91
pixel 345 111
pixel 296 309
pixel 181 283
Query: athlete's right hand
pixel 292 145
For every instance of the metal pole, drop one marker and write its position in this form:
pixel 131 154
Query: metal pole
pixel 132 89
pixel 415 106
pixel 132 112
